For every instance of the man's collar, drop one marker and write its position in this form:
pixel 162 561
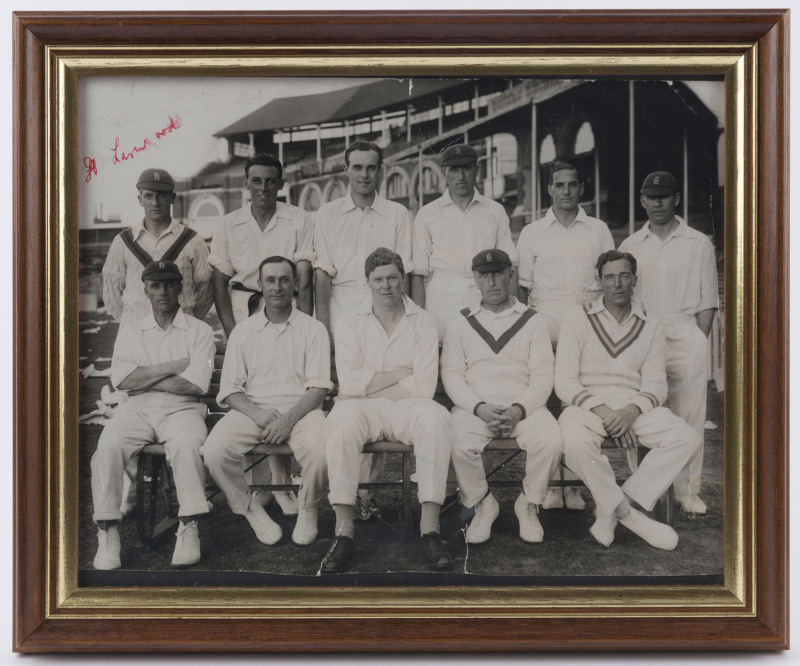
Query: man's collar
pixel 550 217
pixel 262 321
pixel 138 228
pixel 637 309
pixel 149 322
pixel 281 211
pixel 378 203
pixel 680 230
pixel 447 199
pixel 410 307
pixel 516 306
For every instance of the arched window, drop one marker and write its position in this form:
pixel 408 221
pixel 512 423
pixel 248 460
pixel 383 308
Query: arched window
pixel 310 198
pixel 334 189
pixel 397 185
pixel 584 140
pixel 547 152
pixel 204 214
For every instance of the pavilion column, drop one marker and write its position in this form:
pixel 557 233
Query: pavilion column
pixel 685 175
pixel 631 161
pixel 441 114
pixel 596 181
pixel 535 206
pixel 319 145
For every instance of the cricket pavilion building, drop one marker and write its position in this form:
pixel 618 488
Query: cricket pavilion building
pixel 615 131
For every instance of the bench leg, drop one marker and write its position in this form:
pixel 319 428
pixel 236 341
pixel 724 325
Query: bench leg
pixel 155 474
pixel 141 519
pixel 670 505
pixel 407 516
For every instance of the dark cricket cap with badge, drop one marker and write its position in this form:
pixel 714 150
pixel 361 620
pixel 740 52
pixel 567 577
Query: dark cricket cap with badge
pixel 490 261
pixel 157 180
pixel 161 270
pixel 459 154
pixel 659 183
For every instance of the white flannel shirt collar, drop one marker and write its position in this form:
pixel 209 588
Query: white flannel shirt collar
pixel 637 309
pixel 550 218
pixel 681 230
pixel 149 322
pixel 378 204
pixel 261 320
pixel 516 306
pixel 138 229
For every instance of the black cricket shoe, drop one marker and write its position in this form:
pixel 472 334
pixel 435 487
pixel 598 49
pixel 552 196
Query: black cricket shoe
pixel 437 554
pixel 340 556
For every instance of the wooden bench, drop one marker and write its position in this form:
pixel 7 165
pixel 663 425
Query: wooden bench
pixel 153 458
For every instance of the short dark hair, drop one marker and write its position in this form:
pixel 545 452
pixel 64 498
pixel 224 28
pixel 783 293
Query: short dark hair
pixel 614 255
pixel 562 166
pixel 383 256
pixel 277 259
pixel 263 159
pixel 363 145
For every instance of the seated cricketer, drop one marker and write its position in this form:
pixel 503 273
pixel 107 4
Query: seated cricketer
pixel 164 361
pixel 387 360
pixel 610 373
pixel 497 367
pixel 275 376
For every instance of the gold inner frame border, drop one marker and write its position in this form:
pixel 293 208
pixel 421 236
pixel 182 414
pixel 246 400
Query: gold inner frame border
pixel 738 65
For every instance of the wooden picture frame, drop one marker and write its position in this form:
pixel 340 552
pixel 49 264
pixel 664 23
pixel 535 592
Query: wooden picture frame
pixel 749 611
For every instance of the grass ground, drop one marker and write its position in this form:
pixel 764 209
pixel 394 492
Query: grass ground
pixel 387 554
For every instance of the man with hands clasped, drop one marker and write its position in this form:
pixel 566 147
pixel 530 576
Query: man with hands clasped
pixel 497 367
pixel 610 374
pixel 275 376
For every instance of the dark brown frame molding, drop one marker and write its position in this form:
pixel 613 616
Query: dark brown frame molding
pixel 42 624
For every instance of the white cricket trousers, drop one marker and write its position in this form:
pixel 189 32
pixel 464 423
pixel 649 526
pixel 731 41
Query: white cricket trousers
pixel 419 422
pixel 686 356
pixel 671 442
pixel 538 435
pixel 446 294
pixel 144 420
pixel 236 434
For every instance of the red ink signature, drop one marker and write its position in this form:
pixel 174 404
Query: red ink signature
pixel 174 124
pixel 122 157
pixel 119 155
pixel 91 167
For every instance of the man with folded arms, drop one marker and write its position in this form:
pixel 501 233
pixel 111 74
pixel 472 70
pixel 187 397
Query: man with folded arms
pixel 275 375
pixel 164 361
pixel 387 360
pixel 610 373
pixel 157 237
pixel 497 367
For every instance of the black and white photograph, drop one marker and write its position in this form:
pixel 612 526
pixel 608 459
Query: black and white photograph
pixel 459 331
